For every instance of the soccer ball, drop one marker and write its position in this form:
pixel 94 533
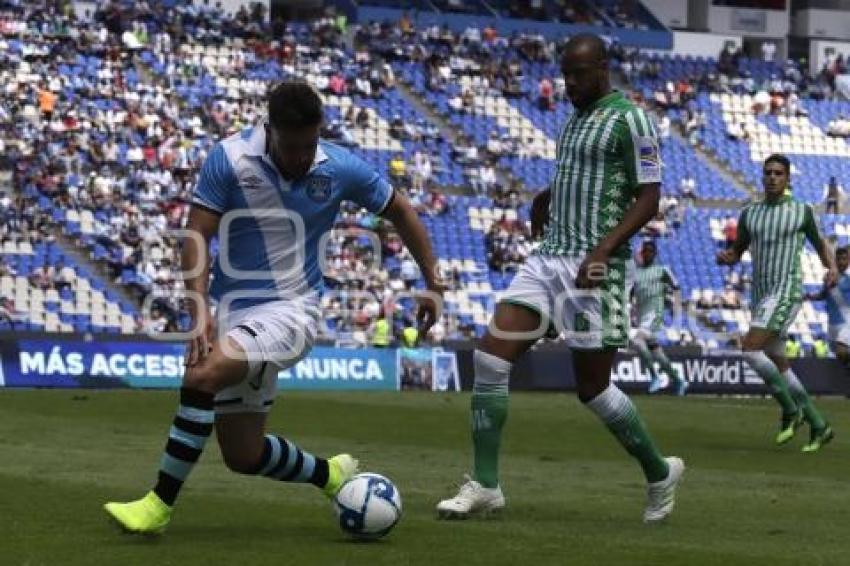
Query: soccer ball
pixel 368 506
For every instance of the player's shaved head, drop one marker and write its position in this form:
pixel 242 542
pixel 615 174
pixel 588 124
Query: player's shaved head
pixel 584 64
pixel 588 47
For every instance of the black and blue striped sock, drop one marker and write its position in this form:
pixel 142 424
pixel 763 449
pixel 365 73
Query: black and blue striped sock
pixel 186 439
pixel 282 460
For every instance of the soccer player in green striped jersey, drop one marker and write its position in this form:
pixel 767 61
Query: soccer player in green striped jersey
pixel 774 230
pixel 606 187
pixel 652 282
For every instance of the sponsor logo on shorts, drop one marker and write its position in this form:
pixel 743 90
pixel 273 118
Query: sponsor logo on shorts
pixel 257 381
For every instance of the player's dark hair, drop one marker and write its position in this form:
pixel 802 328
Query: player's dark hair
pixel 294 104
pixel 650 244
pixel 843 250
pixel 782 160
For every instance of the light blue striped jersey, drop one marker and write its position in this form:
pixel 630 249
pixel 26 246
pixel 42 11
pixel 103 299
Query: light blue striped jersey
pixel 271 229
pixel 838 302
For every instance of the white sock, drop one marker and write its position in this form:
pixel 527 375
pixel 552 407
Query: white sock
pixel 492 374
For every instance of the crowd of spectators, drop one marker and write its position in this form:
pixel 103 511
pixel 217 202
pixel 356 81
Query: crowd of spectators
pixel 508 244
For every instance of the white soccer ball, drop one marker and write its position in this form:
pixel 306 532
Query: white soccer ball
pixel 368 506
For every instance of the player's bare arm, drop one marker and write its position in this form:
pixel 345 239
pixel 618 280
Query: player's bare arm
pixel 540 212
pixel 732 255
pixel 204 222
pixel 827 259
pixel 415 237
pixel 592 271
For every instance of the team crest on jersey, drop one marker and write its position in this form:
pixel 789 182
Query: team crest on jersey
pixel 319 188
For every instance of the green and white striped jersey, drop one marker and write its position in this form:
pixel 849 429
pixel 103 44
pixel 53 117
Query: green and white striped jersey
pixel 651 284
pixel 604 153
pixel 774 233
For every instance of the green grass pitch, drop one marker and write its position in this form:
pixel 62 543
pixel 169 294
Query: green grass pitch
pixel 574 497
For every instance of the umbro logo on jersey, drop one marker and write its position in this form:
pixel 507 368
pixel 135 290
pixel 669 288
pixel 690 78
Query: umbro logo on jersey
pixel 253 182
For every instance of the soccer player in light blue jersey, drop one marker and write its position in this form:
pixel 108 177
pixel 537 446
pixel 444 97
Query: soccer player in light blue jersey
pixel 838 307
pixel 270 194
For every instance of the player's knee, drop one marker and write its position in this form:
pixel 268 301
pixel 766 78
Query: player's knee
pixel 241 462
pixel 203 378
pixel 589 389
pixel 491 370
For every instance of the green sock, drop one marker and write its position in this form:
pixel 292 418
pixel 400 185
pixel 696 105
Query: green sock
pixel 620 415
pixel 489 413
pixel 801 396
pixel 646 358
pixel 666 366
pixel 769 373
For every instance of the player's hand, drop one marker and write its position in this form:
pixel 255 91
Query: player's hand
pixel 200 345
pixel 593 270
pixel 430 306
pixel 727 257
pixel 830 278
pixel 540 213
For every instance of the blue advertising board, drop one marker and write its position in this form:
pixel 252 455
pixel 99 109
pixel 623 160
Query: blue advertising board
pixel 340 368
pixel 148 364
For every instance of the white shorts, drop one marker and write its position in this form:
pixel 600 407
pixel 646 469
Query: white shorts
pixel 840 334
pixel 775 312
pixel 648 326
pixel 589 318
pixel 275 335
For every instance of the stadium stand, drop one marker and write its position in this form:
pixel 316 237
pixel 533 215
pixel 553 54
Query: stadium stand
pixel 106 124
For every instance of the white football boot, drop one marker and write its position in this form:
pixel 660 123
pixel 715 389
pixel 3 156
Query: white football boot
pixel 661 495
pixel 472 499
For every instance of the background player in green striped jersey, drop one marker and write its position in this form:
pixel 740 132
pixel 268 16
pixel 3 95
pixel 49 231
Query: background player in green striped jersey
pixel 774 230
pixel 606 187
pixel 652 280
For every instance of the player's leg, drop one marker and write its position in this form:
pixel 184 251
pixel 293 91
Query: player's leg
pixel 643 350
pixel 493 359
pixel 191 427
pixel 520 320
pixel 821 432
pixel 621 417
pixel 248 449
pixel 841 345
pixel 753 345
pixel 842 353
pixel 667 367
pixel 770 317
pixel 276 336
pixel 603 319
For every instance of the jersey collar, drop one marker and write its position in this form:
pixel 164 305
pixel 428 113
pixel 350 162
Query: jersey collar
pixel 256 146
pixel 607 99
pixel 786 196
